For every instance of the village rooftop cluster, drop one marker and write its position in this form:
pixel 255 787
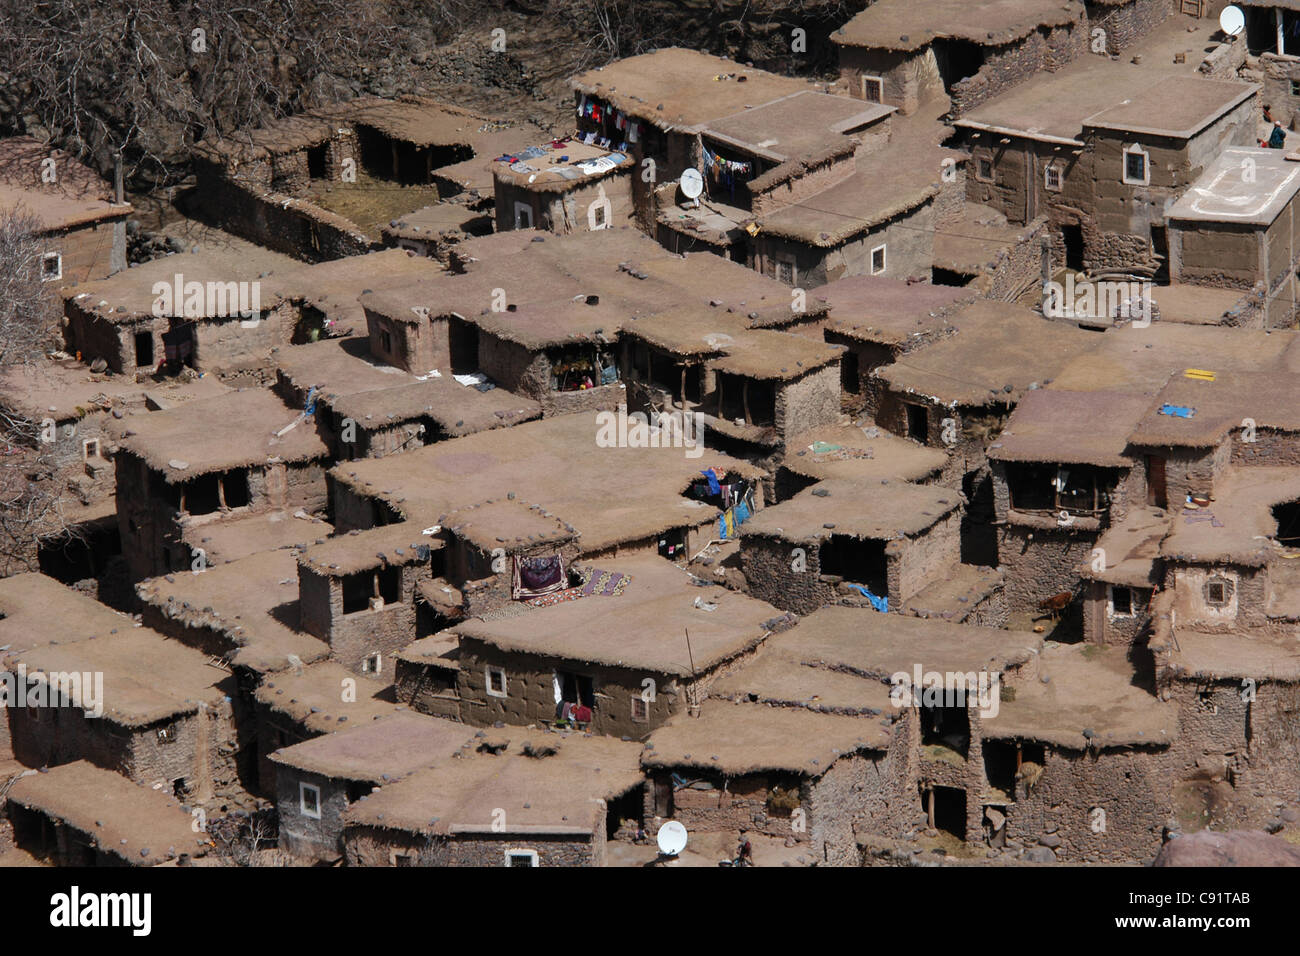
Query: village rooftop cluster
pixel 894 468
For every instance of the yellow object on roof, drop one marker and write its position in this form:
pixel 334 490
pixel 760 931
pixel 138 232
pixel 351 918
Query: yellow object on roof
pixel 1201 374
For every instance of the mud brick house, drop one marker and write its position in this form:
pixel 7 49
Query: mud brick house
pixel 1270 41
pixel 203 462
pixel 627 500
pixel 79 815
pixel 305 702
pixel 565 186
pixel 792 770
pixel 82 228
pixel 1059 145
pixel 753 387
pixel 525 668
pixel 432 231
pixel 1081 763
pixel 889 538
pixel 1236 699
pixel 654 106
pixel 908 53
pixel 521 798
pixel 318 779
pixel 366 408
pixel 281 185
pixel 854 452
pixel 426 673
pixel 172 726
pixel 925 769
pixel 1235 229
pixel 357 592
pixel 878 320
pixel 764 158
pixel 1120 577
pixel 1061 470
pixel 504 550
pixel 965 385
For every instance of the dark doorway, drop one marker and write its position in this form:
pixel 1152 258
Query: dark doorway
pixel 947 810
pixel 918 422
pixel 849 373
pixel 462 344
pixel 630 806
pixel 979 540
pixel 576 688
pixel 945 727
pixel 1157 490
pixel 1287 516
pixel 856 560
pixel 1000 765
pixel 1160 247
pixel 958 60
pixel 201 496
pixel 144 349
pixel 941 276
pixel 1072 237
pixel 316 161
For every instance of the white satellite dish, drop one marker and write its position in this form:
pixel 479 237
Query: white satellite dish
pixel 692 183
pixel 1232 20
pixel 672 837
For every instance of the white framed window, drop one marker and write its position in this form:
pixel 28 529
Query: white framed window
pixel 1137 166
pixel 873 89
pixel 1119 601
pixel 1218 591
pixel 372 664
pixel 1052 177
pixel 90 448
pixel 496 681
pixel 521 858
pixel 984 169
pixel 878 260
pixel 523 215
pixel 51 266
pixel 309 800
pixel 640 709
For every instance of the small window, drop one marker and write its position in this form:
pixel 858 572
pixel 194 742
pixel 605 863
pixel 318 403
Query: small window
pixel 786 271
pixel 1205 701
pixel 372 664
pixel 598 216
pixel 1295 87
pixel 90 448
pixel 1218 592
pixel 402 859
pixel 166 735
pixel 877 260
pixel 309 800
pixel 640 709
pixel 51 266
pixel 496 681
pixel 521 858
pixel 1121 602
pixel 1137 169
pixel 873 89
pixel 984 170
pixel 1052 177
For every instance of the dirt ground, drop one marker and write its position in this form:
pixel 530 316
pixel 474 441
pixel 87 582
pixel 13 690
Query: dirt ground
pixel 708 849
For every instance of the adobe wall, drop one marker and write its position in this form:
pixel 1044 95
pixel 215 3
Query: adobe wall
pixel 1220 255
pixel 870 356
pixel 1134 788
pixel 304 836
pixel 809 402
pixel 1125 24
pixel 416 347
pixel 1101 627
pixel 1247 598
pixel 427 690
pixel 375 846
pixel 530 693
pixel 1047 49
pixel 736 803
pixel 1270 447
pixel 909 78
pixel 1040 563
pixel 514 367
pixel 89 252
pixel 803 184
pixel 1277 74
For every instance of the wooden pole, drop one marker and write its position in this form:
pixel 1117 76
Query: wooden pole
pixel 744 397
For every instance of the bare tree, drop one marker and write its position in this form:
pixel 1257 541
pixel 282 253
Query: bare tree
pixel 32 500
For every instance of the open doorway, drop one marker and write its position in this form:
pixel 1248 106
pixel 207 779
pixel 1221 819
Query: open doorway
pixel 945 727
pixel 856 560
pixel 1287 516
pixel 1160 248
pixel 1157 489
pixel 945 808
pixel 1072 237
pixel 462 345
pixel 918 422
pixel 958 60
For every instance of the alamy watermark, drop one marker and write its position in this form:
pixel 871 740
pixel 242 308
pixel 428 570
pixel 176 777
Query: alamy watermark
pixel 82 689
pixel 1100 299
pixel 676 429
pixel 947 689
pixel 199 300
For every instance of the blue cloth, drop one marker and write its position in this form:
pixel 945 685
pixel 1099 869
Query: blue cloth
pixel 1177 411
pixel 1277 138
pixel 722 527
pixel 881 604
pixel 742 513
pixel 310 408
pixel 714 487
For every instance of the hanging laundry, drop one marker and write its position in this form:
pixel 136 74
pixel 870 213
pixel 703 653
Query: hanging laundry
pixel 714 487
pixel 742 513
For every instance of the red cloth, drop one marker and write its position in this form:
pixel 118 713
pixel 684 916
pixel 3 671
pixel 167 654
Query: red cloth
pixel 582 714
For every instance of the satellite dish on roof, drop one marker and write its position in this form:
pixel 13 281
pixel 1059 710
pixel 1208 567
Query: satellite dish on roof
pixel 692 183
pixel 1232 20
pixel 672 838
